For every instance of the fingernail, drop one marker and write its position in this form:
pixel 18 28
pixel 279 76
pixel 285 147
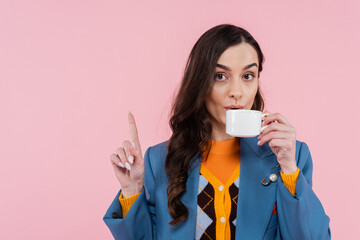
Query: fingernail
pixel 131 159
pixel 258 143
pixel 133 145
pixel 121 164
pixel 127 165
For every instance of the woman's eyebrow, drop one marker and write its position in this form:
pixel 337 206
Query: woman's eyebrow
pixel 229 69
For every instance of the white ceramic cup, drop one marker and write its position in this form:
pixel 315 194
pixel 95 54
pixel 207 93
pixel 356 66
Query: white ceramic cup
pixel 244 123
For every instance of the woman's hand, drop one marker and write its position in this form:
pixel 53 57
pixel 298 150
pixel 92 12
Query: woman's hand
pixel 128 162
pixel 281 136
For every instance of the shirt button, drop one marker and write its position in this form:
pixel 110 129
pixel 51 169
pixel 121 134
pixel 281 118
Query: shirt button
pixel 221 187
pixel 222 219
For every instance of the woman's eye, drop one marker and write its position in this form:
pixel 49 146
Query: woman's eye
pixel 220 76
pixel 252 75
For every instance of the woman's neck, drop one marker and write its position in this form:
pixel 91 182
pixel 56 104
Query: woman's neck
pixel 220 134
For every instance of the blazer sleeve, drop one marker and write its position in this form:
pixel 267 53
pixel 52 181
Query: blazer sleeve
pixel 302 216
pixel 139 222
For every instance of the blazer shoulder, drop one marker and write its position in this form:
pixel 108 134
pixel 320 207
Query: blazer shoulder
pixel 159 150
pixel 156 155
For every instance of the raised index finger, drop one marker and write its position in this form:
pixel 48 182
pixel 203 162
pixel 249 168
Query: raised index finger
pixel 133 131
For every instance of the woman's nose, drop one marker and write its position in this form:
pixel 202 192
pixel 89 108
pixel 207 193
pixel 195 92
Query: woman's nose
pixel 235 90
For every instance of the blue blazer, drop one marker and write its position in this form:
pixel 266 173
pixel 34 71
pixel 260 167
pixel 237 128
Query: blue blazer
pixel 298 217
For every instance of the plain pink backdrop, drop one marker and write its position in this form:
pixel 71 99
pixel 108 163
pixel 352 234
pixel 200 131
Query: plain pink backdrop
pixel 71 70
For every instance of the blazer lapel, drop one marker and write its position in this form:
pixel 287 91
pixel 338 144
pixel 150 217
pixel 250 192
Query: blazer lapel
pixel 255 201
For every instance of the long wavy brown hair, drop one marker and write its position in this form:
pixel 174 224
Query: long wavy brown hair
pixel 190 120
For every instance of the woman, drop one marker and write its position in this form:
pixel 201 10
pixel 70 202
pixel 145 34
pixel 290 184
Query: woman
pixel 205 184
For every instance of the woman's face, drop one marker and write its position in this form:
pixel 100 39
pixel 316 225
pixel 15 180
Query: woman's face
pixel 235 83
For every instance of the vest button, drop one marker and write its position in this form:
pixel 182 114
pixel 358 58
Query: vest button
pixel 222 219
pixel 221 187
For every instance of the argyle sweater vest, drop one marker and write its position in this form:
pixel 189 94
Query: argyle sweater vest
pixel 213 195
pixel 206 222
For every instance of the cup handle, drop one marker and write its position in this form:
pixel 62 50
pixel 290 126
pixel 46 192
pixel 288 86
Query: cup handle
pixel 264 115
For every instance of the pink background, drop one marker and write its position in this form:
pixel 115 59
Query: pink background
pixel 71 70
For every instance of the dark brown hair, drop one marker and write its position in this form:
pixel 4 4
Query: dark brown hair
pixel 190 120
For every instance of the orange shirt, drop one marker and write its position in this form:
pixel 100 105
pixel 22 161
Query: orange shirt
pixel 223 159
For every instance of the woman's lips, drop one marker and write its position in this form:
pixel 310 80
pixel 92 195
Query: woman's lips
pixel 234 107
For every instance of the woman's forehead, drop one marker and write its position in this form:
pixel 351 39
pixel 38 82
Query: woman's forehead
pixel 238 56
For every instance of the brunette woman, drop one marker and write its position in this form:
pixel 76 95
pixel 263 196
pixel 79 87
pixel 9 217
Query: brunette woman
pixel 205 184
